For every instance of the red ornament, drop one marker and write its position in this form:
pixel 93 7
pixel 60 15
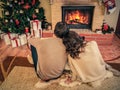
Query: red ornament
pixel 22 1
pixel 17 22
pixel 27 6
pixel 33 2
pixel 34 16
pixel 26 30
pixel 105 27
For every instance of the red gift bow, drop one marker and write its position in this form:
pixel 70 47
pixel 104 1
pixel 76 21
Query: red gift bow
pixel 15 41
pixel 37 22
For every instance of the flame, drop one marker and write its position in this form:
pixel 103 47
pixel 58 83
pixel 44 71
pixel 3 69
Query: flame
pixel 76 16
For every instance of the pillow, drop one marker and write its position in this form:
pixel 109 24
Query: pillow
pixel 52 57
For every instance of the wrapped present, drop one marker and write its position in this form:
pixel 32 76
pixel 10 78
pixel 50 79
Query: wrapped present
pixel 15 42
pixel 40 31
pixel 2 35
pixel 28 35
pixel 23 39
pixel 7 39
pixel 12 35
pixel 36 29
pixel 36 33
pixel 35 25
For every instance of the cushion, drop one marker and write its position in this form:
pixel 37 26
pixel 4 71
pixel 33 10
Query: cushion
pixel 52 56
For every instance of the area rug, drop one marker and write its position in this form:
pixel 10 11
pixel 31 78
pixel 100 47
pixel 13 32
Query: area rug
pixel 111 52
pixel 24 78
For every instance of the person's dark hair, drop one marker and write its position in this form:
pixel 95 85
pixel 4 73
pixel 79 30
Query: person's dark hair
pixel 72 41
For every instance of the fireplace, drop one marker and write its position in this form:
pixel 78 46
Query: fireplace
pixel 78 17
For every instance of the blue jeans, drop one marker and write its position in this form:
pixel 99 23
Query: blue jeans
pixel 34 56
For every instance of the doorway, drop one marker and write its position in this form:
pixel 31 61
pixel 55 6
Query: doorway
pixel 117 32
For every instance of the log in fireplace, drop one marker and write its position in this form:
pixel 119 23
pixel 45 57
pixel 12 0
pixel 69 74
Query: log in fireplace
pixel 78 17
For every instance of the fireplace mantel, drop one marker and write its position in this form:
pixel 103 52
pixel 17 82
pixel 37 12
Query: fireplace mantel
pixel 52 1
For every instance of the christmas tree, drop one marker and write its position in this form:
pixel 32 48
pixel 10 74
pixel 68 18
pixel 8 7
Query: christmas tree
pixel 16 15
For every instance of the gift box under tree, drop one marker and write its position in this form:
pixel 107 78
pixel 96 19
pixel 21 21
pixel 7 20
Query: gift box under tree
pixel 36 29
pixel 15 42
pixel 23 39
pixel 7 37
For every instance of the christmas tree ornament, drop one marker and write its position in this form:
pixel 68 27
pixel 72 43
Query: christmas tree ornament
pixel 17 22
pixel 11 20
pixel 17 12
pixel 28 18
pixel 9 29
pixel 15 1
pixel 19 3
pixel 6 20
pixel 26 29
pixel 33 2
pixel 21 11
pixel 22 1
pixel 34 16
pixel 27 6
pixel 37 10
pixel 8 3
pixel 7 13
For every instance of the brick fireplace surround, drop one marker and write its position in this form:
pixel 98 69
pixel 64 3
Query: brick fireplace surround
pixel 98 17
pixel 56 11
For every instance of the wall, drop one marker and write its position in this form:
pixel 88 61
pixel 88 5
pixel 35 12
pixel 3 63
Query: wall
pixel 47 9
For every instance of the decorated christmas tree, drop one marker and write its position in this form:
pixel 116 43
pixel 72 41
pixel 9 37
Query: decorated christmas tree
pixel 16 15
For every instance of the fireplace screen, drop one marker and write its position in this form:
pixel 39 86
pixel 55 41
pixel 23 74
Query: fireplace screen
pixel 78 16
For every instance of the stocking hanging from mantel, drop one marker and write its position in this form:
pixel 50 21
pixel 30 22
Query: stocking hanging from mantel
pixel 110 6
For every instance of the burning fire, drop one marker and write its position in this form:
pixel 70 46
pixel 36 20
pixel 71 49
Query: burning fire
pixel 77 17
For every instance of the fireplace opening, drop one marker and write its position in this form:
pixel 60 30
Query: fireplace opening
pixel 78 17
